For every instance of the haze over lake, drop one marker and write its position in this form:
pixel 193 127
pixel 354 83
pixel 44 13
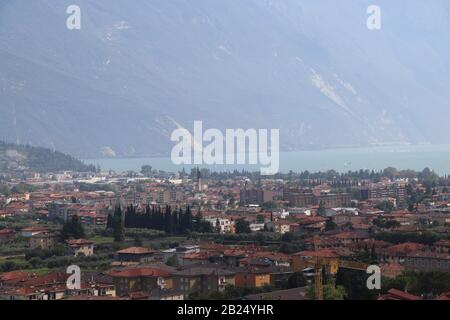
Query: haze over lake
pixel 416 157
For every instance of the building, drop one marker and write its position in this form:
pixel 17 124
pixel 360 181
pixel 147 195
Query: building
pixel 333 200
pixel 299 198
pixel 442 246
pixel 395 294
pixel 203 279
pixel 135 254
pixel 306 259
pixel 219 222
pixel 383 191
pixel 284 295
pixel 165 196
pixel 19 285
pixel 397 253
pixel 252 278
pixel 141 279
pixel 7 235
pixel 256 196
pixel 44 241
pixel 427 261
pixel 32 231
pixel 307 198
pixel 79 247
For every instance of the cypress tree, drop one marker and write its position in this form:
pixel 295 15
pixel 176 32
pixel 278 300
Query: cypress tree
pixel 118 230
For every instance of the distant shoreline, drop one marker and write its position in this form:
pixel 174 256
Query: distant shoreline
pixel 414 157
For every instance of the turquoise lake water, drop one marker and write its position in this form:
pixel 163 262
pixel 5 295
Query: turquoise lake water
pixel 416 157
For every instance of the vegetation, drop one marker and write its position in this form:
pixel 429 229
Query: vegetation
pixel 331 291
pixel 172 222
pixel 72 229
pixel 354 283
pixel 296 280
pixel 91 187
pixel 386 224
pixel 230 293
pixel 242 226
pixel 117 224
pixel 425 237
pixel 41 159
pixel 418 283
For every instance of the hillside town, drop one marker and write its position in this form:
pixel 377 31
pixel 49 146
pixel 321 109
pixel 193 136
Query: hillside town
pixel 154 235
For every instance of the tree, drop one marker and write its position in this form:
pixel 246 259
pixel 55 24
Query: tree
pixel 173 261
pixel 287 237
pixel 200 225
pixel 354 283
pixel 296 280
pixel 137 241
pixel 330 291
pixel 321 211
pixel 109 221
pixel 146 170
pixel 243 226
pixel 386 206
pixel 330 225
pixel 4 189
pixel 72 229
pixel 260 218
pixel 118 228
pixel 218 228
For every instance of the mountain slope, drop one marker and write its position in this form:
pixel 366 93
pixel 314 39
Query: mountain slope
pixel 310 68
pixel 15 157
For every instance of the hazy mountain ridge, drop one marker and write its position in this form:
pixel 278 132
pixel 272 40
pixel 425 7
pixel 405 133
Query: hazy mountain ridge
pixel 310 68
pixel 26 158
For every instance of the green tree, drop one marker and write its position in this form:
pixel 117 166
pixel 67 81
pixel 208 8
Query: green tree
pixel 243 226
pixel 146 170
pixel 331 291
pixel 72 229
pixel 118 228
pixel 321 211
pixel 296 280
pixel 173 261
pixel 330 225
pixel 4 189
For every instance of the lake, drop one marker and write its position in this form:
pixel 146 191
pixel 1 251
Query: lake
pixel 416 157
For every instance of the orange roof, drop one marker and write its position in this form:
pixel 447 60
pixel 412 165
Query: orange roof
pixel 34 229
pixel 7 231
pixel 135 250
pixel 197 256
pixel 395 294
pixel 79 242
pixel 139 272
pixel 322 253
pixel 405 248
pixel 14 275
pixel 443 242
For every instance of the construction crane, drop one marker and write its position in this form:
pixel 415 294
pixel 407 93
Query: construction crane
pixel 333 264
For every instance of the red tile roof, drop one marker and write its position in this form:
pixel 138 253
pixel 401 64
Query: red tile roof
pixel 79 242
pixel 139 272
pixel 135 250
pixel 14 276
pixel 395 294
pixel 322 253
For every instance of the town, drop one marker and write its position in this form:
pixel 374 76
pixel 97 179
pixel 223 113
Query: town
pixel 155 235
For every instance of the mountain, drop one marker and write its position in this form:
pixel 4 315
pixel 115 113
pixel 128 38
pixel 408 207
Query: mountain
pixel 37 159
pixel 137 69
